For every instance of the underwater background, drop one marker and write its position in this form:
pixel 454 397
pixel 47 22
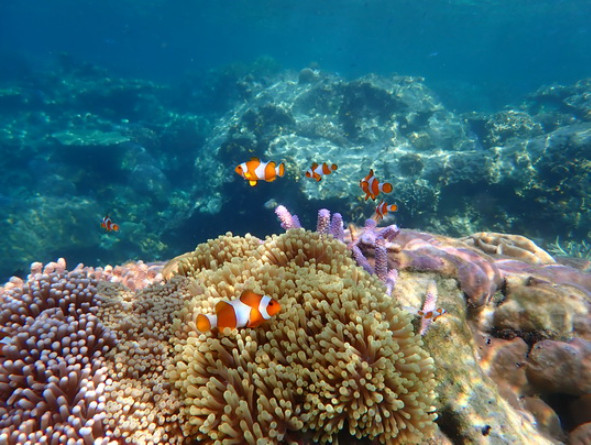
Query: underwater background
pixel 478 113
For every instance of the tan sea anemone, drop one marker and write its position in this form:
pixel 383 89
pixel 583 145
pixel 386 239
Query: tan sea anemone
pixel 339 358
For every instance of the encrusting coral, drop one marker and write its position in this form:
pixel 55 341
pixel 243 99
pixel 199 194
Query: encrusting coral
pixel 339 358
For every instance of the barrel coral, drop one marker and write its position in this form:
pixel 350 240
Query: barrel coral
pixel 340 358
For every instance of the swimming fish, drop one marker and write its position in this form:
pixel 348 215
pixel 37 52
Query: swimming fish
pixel 317 171
pixel 109 225
pixel 432 315
pixel 383 208
pixel 255 170
pixel 250 310
pixel 372 187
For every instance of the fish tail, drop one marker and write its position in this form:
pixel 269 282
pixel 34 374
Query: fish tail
pixel 280 169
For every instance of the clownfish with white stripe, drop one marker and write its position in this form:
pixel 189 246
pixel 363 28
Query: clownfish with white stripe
pixel 255 170
pixel 248 311
pixel 383 208
pixel 319 170
pixel 372 187
pixel 109 225
pixel 432 315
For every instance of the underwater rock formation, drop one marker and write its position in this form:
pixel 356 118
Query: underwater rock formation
pixel 94 143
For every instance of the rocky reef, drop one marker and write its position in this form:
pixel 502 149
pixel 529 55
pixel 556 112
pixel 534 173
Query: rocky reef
pixel 113 355
pixel 80 143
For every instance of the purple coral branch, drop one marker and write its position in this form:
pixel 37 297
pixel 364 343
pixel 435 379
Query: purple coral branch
pixel 372 236
pixel 288 221
pixel 337 228
pixel 391 280
pixel 323 223
pixel 361 260
pixel 381 258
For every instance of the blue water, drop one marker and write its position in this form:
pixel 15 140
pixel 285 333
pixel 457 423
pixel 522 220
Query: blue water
pixel 475 55
pixel 498 50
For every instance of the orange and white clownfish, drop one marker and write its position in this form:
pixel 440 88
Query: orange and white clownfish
pixel 383 208
pixel 109 225
pixel 432 315
pixel 317 171
pixel 372 187
pixel 250 310
pixel 255 170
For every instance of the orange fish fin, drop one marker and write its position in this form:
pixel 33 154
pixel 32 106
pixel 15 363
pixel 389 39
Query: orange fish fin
pixel 333 167
pixel 393 208
pixel 314 165
pixel 255 159
pixel 281 169
pixel 255 319
pixel 252 183
pixel 317 177
pixel 251 298
pixel 226 315
pixel 203 323
pixel 387 187
pixel 115 227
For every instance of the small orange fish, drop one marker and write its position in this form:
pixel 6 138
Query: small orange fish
pixel 109 225
pixel 432 315
pixel 382 209
pixel 250 310
pixel 317 171
pixel 372 187
pixel 255 170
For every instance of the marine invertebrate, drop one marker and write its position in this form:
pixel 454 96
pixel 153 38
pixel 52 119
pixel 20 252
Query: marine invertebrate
pixel 52 367
pixel 339 358
pixel 83 357
pixel 512 246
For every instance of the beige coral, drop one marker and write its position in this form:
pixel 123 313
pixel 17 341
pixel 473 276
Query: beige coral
pixel 511 246
pixel 339 358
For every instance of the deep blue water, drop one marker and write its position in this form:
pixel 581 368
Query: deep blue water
pixel 476 53
pixel 476 56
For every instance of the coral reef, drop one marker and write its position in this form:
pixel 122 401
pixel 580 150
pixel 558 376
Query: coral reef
pixel 113 355
pixel 161 159
pixel 516 323
pixel 340 358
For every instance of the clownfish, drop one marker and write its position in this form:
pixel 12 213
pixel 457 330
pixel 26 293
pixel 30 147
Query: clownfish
pixel 317 171
pixel 109 225
pixel 432 315
pixel 250 310
pixel 255 170
pixel 372 187
pixel 382 209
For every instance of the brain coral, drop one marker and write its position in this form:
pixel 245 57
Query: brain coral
pixel 339 358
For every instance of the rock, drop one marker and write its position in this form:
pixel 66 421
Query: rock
pixel 561 367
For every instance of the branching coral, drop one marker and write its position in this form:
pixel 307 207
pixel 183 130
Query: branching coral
pixel 339 358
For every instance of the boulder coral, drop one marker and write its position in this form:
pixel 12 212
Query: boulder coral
pixel 340 358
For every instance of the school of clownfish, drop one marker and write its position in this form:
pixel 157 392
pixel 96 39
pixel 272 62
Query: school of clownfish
pixel 252 309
